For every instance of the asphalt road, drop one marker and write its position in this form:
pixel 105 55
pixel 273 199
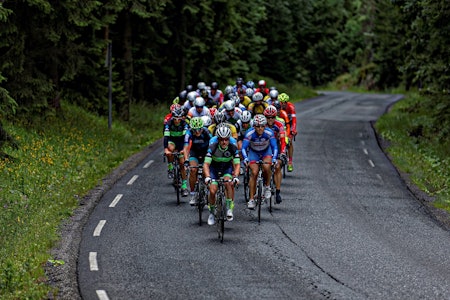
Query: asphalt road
pixel 348 227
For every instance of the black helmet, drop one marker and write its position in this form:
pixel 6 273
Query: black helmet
pixel 214 85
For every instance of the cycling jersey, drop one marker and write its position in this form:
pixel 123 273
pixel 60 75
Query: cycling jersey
pixel 278 129
pixel 221 161
pixel 174 133
pixel 257 109
pixel 256 147
pixel 290 110
pixel 217 96
pixel 197 145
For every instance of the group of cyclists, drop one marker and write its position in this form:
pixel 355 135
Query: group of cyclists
pixel 227 132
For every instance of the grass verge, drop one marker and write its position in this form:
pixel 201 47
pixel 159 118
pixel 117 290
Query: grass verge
pixel 59 160
pixel 417 148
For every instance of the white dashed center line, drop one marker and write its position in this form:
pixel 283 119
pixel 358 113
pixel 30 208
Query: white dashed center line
pixel 365 151
pixel 101 294
pixel 116 200
pixel 148 164
pixel 99 227
pixel 133 179
pixel 371 163
pixel 93 261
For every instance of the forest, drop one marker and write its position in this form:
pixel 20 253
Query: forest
pixel 53 50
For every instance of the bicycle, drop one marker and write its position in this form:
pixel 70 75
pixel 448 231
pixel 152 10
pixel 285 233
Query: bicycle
pixel 201 192
pixel 177 180
pixel 220 214
pixel 260 198
pixel 246 182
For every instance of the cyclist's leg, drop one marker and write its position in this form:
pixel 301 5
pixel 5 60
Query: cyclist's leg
pixel 212 196
pixel 193 162
pixel 277 178
pixel 290 153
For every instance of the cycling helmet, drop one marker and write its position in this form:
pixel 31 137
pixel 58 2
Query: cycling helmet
pixel 273 94
pixel 201 85
pixel 191 96
pixel 250 84
pixel 196 123
pixel 199 102
pixel 189 88
pixel 283 97
pixel 228 89
pixel 177 112
pixel 212 111
pixel 223 131
pixel 270 111
pixel 262 83
pixel 277 105
pixel 206 120
pixel 214 85
pixel 235 99
pixel 246 116
pixel 204 93
pixel 219 117
pixel 249 92
pixel 173 106
pixel 182 95
pixel 239 81
pixel 259 120
pixel 229 104
pixel 257 97
pixel 272 88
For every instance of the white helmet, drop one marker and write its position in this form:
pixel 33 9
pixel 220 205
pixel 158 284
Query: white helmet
pixel 246 116
pixel 199 102
pixel 229 105
pixel 206 120
pixel 257 96
pixel 191 96
pixel 223 131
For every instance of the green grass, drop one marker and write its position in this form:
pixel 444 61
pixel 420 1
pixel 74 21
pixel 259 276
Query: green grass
pixel 58 162
pixel 416 148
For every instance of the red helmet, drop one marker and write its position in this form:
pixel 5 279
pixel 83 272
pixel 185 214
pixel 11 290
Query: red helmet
pixel 173 106
pixel 270 111
pixel 212 111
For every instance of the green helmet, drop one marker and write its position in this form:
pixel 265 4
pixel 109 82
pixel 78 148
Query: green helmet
pixel 283 97
pixel 196 123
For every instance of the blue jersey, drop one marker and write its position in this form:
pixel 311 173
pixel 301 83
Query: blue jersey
pixel 263 144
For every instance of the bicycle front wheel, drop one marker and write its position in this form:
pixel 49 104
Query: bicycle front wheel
pixel 220 213
pixel 259 194
pixel 177 183
pixel 246 185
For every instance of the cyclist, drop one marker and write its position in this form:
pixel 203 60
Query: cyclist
pixel 262 88
pixel 189 103
pixel 239 86
pixel 174 131
pixel 278 128
pixel 220 118
pixel 244 99
pixel 198 110
pixel 290 110
pixel 222 159
pixel 242 126
pixel 258 105
pixel 259 144
pixel 232 113
pixel 196 143
pixel 215 93
pixel 273 96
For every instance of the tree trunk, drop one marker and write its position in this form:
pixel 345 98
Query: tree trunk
pixel 128 68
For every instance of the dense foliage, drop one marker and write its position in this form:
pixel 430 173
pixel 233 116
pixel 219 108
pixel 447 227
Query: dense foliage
pixel 56 49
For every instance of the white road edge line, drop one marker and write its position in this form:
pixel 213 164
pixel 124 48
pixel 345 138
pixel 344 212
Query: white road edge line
pixel 98 229
pixel 133 179
pixel 148 164
pixel 371 163
pixel 101 294
pixel 116 200
pixel 93 266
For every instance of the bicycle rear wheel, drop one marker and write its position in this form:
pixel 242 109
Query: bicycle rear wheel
pixel 246 186
pixel 201 194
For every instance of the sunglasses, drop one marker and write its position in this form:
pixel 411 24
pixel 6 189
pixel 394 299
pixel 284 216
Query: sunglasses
pixel 270 117
pixel 197 130
pixel 223 139
pixel 198 106
pixel 177 118
pixel 260 126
